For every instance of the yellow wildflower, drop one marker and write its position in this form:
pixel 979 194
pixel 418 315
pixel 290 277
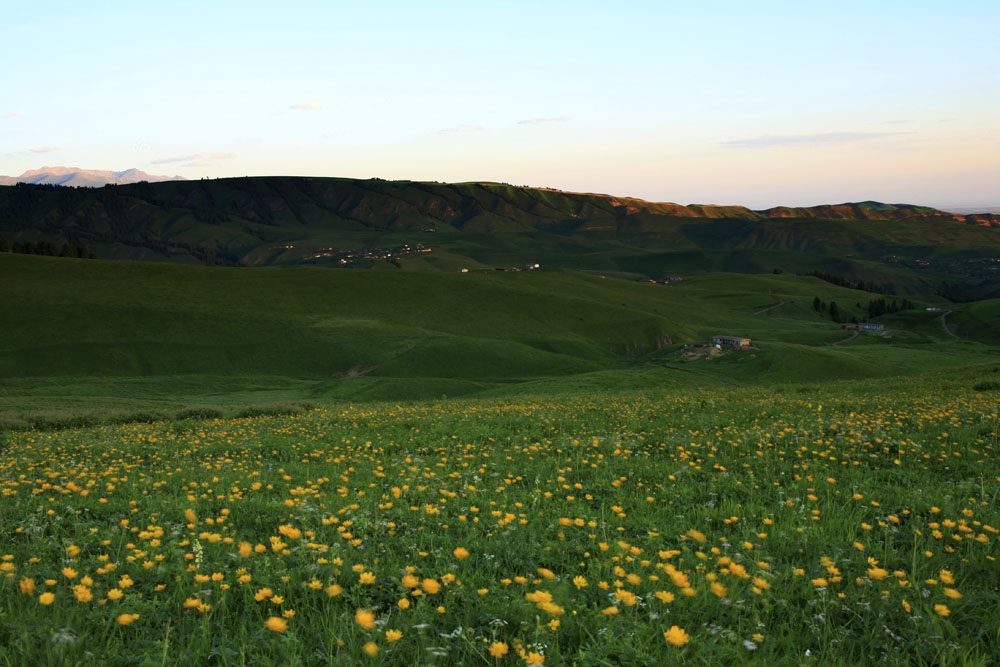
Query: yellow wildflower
pixel 498 649
pixel 364 618
pixel 27 585
pixel 276 624
pixel 676 636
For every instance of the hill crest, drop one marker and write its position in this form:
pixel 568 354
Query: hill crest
pixel 573 204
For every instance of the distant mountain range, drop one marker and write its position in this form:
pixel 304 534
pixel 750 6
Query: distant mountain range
pixel 87 178
pixel 375 223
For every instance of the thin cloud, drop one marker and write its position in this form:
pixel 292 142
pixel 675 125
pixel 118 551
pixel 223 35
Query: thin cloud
pixel 898 122
pixel 312 106
pixel 11 114
pixel 461 128
pixel 44 149
pixel 820 139
pixel 539 121
pixel 201 158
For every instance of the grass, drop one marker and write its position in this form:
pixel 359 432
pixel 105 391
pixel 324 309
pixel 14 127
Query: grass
pixel 73 401
pixel 151 340
pixel 828 523
pixel 978 321
pixel 140 319
pixel 224 466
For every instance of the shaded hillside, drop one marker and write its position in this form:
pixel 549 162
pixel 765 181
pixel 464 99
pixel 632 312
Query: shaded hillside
pixel 440 226
pixel 409 205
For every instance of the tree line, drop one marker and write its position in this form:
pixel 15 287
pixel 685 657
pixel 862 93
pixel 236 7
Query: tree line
pixel 874 308
pixel 46 248
pixel 863 285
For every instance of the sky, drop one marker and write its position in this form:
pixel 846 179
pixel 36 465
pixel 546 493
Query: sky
pixel 754 103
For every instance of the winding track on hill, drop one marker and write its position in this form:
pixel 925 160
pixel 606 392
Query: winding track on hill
pixel 781 302
pixel 944 325
pixel 845 340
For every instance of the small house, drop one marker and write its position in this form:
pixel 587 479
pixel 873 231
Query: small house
pixel 871 326
pixel 731 341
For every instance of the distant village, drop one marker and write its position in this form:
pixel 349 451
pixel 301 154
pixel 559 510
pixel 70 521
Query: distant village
pixel 505 269
pixel 525 267
pixel 347 257
pixel 665 281
pixel 969 267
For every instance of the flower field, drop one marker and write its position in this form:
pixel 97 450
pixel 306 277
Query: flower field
pixel 838 525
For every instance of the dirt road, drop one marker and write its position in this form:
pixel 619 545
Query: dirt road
pixel 944 325
pixel 845 340
pixel 770 308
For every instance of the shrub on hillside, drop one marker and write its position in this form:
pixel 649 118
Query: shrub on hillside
pixel 284 410
pixel 203 412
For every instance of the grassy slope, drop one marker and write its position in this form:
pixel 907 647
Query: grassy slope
pixel 139 319
pixel 129 336
pixel 977 321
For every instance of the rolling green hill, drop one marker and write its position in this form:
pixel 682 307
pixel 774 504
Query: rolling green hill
pixel 246 297
pixel 446 227
pixel 112 337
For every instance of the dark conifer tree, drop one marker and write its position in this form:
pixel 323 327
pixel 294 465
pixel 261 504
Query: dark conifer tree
pixel 834 311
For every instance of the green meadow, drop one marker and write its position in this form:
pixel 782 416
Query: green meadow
pixel 299 465
pixel 88 340
pixel 844 522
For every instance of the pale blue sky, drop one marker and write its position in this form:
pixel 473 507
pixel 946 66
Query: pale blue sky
pixel 757 103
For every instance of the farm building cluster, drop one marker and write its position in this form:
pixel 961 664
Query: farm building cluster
pixel 865 326
pixel 730 341
pixel 526 267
